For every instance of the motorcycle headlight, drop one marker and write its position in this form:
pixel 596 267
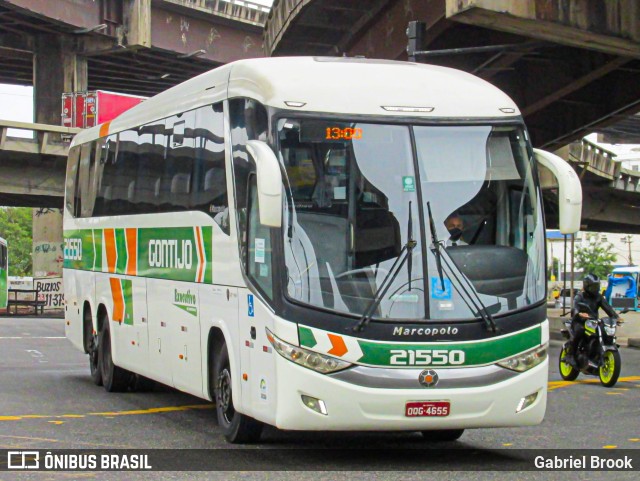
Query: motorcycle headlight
pixel 610 330
pixel 591 323
pixel 526 360
pixel 309 359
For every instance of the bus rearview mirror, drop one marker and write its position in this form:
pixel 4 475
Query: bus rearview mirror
pixel 269 182
pixel 569 190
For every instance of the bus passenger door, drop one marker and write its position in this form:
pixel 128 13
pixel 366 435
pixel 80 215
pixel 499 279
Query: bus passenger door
pixel 160 320
pixel 129 323
pixel 185 338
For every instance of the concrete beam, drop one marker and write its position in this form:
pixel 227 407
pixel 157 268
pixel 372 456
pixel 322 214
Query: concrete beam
pixel 611 27
pixel 185 35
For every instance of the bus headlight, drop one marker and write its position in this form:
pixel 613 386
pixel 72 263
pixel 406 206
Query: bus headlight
pixel 304 357
pixel 526 360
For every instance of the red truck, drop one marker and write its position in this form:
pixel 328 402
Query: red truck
pixel 91 108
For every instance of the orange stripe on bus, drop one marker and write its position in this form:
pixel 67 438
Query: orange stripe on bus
pixel 132 251
pixel 118 301
pixel 202 259
pixel 104 129
pixel 110 248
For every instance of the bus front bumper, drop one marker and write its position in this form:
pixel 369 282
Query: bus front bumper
pixel 353 407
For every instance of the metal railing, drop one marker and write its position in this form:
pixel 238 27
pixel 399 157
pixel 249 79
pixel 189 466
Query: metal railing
pixel 46 140
pixel 240 10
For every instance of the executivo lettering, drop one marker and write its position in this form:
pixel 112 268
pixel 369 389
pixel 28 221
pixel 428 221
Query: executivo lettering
pixel 171 253
pixel 185 301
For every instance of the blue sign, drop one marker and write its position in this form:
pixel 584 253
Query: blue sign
pixel 250 303
pixel 436 289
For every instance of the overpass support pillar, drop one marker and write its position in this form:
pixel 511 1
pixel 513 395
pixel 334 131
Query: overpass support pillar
pixel 57 69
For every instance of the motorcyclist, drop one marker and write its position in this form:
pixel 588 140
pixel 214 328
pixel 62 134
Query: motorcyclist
pixel 590 295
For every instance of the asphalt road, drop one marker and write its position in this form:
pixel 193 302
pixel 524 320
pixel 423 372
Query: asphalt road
pixel 47 401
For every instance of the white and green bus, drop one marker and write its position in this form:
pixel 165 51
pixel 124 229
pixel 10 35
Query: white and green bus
pixel 274 235
pixel 4 274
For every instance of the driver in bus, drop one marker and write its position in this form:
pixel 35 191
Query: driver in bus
pixel 455 226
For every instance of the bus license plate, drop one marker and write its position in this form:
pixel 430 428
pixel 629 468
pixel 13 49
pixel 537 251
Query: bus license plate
pixel 427 408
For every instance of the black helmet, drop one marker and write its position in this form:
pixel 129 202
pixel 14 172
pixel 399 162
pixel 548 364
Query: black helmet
pixel 591 284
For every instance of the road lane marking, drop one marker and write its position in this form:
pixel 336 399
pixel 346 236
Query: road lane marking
pixel 109 414
pixel 31 337
pixel 49 440
pixel 610 446
pixel 551 385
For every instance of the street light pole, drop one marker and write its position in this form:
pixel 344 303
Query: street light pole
pixel 628 240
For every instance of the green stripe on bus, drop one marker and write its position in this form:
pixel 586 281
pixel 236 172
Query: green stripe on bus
pixel 97 244
pixel 121 249
pixel 207 236
pixel 165 253
pixel 476 353
pixel 127 294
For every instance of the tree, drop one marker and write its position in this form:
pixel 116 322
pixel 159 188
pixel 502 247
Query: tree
pixel 16 226
pixel 596 258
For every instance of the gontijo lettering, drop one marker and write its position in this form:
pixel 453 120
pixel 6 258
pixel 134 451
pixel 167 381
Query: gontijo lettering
pixel 171 253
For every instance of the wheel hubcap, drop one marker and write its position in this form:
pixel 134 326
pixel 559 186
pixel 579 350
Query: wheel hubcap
pixel 224 395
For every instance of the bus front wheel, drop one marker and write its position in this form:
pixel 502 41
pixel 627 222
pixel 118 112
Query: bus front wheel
pixel 114 378
pixel 237 428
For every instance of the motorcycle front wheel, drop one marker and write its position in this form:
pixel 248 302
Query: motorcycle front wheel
pixel 610 369
pixel 567 371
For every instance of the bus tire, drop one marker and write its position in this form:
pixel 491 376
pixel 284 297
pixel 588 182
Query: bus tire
pixel 442 435
pixel 91 343
pixel 237 428
pixel 114 378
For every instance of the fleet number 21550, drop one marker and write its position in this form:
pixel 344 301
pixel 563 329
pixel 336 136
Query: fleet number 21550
pixel 426 357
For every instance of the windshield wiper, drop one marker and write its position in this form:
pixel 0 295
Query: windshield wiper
pixel 464 290
pixel 435 248
pixel 405 253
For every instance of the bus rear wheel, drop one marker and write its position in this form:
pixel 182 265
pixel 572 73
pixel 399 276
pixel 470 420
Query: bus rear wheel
pixel 94 360
pixel 442 435
pixel 237 428
pixel 114 378
pixel 91 343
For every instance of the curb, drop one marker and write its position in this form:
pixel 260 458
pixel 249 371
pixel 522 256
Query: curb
pixel 633 343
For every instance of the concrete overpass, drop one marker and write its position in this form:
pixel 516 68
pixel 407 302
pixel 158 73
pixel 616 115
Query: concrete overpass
pixel 131 46
pixel 572 66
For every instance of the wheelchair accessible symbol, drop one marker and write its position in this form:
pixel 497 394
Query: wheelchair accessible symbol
pixel 251 311
pixel 436 289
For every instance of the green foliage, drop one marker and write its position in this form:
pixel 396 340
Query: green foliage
pixel 16 226
pixel 597 258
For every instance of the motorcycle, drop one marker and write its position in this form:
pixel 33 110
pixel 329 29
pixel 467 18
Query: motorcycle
pixel 597 354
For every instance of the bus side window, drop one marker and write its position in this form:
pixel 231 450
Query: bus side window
pixel 176 186
pixel 87 179
pixel 209 173
pixel 72 179
pixel 105 176
pixel 249 121
pixel 259 244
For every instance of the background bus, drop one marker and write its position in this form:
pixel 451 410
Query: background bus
pixel 4 273
pixel 272 235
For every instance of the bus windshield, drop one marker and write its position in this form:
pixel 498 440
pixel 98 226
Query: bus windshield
pixel 357 195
